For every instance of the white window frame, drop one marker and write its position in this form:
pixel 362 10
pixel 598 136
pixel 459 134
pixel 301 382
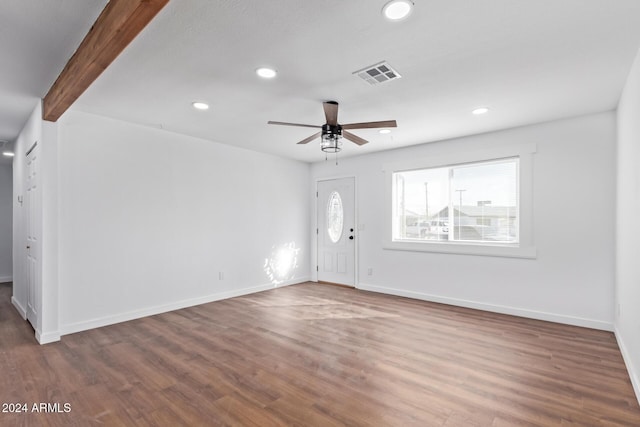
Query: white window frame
pixel 525 247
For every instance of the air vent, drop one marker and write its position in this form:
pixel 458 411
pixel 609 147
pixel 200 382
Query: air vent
pixel 378 73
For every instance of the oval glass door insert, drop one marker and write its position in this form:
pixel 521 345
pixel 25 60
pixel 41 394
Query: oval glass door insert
pixel 335 217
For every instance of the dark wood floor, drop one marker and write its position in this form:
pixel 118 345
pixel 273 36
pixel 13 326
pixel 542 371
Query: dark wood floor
pixel 317 355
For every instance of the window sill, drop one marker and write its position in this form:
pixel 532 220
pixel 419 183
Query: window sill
pixel 483 249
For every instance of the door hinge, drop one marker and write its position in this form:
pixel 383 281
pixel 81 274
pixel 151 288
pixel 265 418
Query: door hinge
pixel 317 232
pixel 317 268
pixel 316 194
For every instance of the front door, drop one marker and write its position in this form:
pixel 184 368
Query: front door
pixel 336 231
pixel 33 233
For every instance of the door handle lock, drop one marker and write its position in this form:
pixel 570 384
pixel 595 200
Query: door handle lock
pixel 28 247
pixel 350 237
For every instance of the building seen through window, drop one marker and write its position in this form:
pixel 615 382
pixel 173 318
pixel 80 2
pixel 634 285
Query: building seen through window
pixel 475 202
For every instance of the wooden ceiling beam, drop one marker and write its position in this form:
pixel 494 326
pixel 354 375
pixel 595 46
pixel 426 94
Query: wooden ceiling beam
pixel 118 24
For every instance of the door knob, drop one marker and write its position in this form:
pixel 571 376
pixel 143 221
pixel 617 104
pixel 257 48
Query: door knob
pixel 350 237
pixel 28 247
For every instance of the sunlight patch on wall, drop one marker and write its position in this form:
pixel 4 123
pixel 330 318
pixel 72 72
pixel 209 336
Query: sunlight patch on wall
pixel 282 264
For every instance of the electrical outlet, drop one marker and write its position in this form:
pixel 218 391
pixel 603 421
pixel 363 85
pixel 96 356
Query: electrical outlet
pixel 369 271
pixel 221 276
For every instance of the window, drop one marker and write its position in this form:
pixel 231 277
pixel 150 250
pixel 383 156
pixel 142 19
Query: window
pixel 335 217
pixel 474 202
pixel 466 203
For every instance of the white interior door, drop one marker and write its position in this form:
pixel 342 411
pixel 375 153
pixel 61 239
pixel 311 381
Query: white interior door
pixel 336 231
pixel 33 234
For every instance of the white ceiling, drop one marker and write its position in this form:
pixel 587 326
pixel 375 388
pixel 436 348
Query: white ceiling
pixel 37 38
pixel 528 61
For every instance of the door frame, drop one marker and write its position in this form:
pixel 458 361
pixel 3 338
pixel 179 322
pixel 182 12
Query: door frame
pixel 315 226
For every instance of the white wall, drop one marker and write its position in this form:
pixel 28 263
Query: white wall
pixel 6 223
pixel 570 281
pixel 49 317
pixel 149 219
pixel 628 225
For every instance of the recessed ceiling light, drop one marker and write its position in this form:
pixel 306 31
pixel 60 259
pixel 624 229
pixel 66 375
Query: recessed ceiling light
pixel 200 105
pixel 8 154
pixel 481 110
pixel 266 73
pixel 396 10
pixel 384 131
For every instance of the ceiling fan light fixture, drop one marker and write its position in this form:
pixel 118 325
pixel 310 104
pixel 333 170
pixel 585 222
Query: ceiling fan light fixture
pixel 384 131
pixel 200 105
pixel 331 143
pixel 266 73
pixel 397 10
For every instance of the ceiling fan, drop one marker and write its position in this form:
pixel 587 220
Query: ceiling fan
pixel 331 132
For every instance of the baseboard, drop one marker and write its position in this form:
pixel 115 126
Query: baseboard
pixel 634 374
pixel 48 337
pixel 151 311
pixel 19 307
pixel 514 311
pixel 6 279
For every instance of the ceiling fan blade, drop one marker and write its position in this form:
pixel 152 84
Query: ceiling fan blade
pixel 293 124
pixel 309 139
pixel 370 125
pixel 353 138
pixel 331 112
